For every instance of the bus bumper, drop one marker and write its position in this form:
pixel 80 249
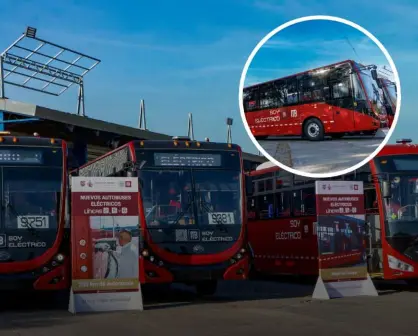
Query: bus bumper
pixel 191 274
pixel 54 280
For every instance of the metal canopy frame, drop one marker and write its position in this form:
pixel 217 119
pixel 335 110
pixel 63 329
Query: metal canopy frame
pixel 44 67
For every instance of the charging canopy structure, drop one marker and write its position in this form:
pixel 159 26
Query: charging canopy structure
pixel 39 65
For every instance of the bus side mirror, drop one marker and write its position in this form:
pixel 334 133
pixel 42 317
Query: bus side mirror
pixel 386 190
pixel 374 74
pixel 248 186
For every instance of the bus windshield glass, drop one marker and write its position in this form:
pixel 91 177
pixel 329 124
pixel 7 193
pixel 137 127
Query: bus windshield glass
pixel 31 197
pixel 218 197
pixel 370 86
pixel 190 197
pixel 390 89
pixel 401 209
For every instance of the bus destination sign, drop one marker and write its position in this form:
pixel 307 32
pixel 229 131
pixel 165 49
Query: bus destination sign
pixel 20 156
pixel 187 160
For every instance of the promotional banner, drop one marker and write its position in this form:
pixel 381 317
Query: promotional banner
pixel 105 244
pixel 341 240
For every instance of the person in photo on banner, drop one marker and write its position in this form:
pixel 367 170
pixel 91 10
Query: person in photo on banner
pixel 128 256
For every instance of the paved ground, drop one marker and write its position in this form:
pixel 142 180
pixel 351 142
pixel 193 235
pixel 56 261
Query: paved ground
pixel 238 309
pixel 321 157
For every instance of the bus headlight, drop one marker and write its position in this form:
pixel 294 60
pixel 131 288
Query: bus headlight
pixel 59 257
pixel 399 265
pixel 145 253
pixel 238 256
pixel 151 259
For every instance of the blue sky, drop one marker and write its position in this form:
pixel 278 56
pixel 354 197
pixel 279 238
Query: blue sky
pixel 312 44
pixel 187 56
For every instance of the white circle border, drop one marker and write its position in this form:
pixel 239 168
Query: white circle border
pixel 313 18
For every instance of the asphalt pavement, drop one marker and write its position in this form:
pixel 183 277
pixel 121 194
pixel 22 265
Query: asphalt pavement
pixel 321 156
pixel 239 308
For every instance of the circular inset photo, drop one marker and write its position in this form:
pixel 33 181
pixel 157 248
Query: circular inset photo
pixel 319 96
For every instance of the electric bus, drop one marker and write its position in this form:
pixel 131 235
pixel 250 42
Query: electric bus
pixel 34 236
pixel 333 100
pixel 282 220
pixel 191 206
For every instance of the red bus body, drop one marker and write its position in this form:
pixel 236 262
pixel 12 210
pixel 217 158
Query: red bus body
pixel 34 237
pixel 282 220
pixel 164 259
pixel 340 98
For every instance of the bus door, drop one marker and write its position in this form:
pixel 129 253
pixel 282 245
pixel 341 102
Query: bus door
pixel 373 236
pixel 343 115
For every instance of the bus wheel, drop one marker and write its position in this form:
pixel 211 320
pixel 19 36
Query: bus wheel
pixel 337 135
pixel 313 130
pixel 206 288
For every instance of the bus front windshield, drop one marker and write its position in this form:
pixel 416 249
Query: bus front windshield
pixel 390 89
pixel 401 208
pixel 191 197
pixel 374 96
pixel 31 197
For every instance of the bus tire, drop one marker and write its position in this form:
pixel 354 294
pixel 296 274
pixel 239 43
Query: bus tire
pixel 337 135
pixel 206 288
pixel 313 130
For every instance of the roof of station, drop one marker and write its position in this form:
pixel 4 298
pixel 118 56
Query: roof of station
pixel 59 122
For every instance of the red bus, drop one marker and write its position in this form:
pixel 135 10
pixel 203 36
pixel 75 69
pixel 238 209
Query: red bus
pixel 332 100
pixel 192 209
pixel 389 98
pixel 282 220
pixel 34 236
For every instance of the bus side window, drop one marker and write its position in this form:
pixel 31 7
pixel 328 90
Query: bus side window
pixel 305 90
pixel 261 186
pixel 252 212
pixel 251 99
pixel 309 201
pixel 292 91
pixel 297 203
pixel 283 201
pixel 265 206
pixel 269 96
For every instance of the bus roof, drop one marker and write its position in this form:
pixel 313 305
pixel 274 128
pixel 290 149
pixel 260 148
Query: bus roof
pixel 186 144
pixel 30 141
pixel 400 149
pixel 160 144
pixel 301 73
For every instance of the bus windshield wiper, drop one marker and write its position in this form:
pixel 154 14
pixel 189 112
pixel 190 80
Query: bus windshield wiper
pixel 181 214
